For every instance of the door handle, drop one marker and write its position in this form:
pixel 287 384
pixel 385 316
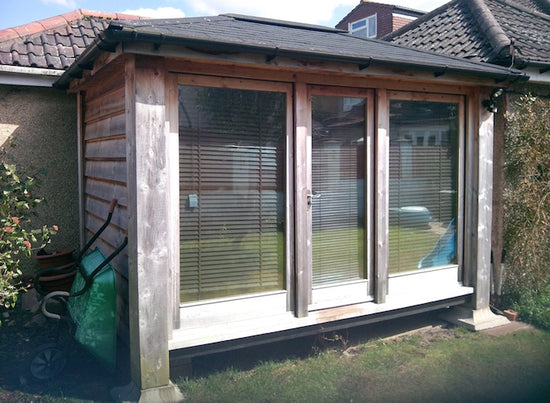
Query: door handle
pixel 312 195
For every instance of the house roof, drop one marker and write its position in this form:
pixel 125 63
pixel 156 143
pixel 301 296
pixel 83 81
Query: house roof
pixel 358 11
pixel 272 38
pixel 485 31
pixel 56 42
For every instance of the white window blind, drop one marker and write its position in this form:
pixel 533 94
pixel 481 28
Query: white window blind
pixel 338 173
pixel 423 184
pixel 232 153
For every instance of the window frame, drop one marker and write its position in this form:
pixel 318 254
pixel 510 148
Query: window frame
pixel 369 22
pixel 192 314
pixel 358 291
pixel 461 102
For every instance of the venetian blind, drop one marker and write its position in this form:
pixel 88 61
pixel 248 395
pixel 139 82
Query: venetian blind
pixel 232 147
pixel 423 184
pixel 338 185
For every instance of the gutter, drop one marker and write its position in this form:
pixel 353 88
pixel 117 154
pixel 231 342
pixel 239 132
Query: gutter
pixel 30 76
pixel 110 38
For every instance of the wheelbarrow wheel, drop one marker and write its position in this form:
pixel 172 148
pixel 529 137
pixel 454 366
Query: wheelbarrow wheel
pixel 47 362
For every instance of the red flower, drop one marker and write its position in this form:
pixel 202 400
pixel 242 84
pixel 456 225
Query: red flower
pixel 15 220
pixel 27 244
pixel 8 230
pixel 55 228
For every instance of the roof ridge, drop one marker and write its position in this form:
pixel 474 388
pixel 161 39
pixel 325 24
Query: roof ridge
pixel 58 21
pixel 489 26
pixel 530 10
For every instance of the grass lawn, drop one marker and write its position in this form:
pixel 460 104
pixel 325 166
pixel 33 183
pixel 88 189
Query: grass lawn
pixel 435 364
pixel 448 365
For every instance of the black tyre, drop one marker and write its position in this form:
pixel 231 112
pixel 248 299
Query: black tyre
pixel 47 362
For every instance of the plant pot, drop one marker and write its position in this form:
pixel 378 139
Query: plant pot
pixel 55 258
pixel 511 315
pixel 58 282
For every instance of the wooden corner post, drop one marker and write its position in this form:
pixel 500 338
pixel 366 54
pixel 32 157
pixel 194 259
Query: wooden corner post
pixel 149 254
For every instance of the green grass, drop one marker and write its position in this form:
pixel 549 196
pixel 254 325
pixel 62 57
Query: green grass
pixel 459 366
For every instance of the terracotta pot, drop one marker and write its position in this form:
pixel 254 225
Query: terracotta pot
pixel 55 258
pixel 511 315
pixel 58 282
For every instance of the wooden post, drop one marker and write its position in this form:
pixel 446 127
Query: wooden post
pixel 482 275
pixel 477 241
pixel 303 211
pixel 149 252
pixel 381 175
pixel 81 178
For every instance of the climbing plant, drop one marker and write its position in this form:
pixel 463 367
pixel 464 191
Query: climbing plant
pixel 527 196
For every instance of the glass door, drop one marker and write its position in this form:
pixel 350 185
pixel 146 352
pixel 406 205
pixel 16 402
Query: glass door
pixel 338 200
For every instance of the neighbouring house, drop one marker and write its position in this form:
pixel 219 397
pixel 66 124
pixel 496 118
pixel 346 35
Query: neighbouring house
pixel 374 20
pixel 40 120
pixel 281 179
pixel 503 32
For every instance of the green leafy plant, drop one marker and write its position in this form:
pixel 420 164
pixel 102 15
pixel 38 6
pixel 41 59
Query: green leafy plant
pixel 17 237
pixel 527 196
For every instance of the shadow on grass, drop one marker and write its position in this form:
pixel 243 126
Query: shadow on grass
pixel 82 379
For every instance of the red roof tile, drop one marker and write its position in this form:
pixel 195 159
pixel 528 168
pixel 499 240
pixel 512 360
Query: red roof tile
pixel 54 42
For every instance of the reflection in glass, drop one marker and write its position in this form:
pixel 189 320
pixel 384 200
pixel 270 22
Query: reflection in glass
pixel 338 173
pixel 232 153
pixel 423 184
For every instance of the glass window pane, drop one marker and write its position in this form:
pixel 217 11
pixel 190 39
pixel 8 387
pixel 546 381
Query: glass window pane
pixel 338 173
pixel 232 153
pixel 423 184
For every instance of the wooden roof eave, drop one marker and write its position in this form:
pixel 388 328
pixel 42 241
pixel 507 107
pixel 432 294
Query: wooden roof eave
pixel 109 39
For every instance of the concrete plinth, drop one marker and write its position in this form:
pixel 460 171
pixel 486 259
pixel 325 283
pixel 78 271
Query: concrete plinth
pixel 474 319
pixel 131 393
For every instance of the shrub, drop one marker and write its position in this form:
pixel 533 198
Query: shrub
pixel 527 197
pixel 17 238
pixel 534 307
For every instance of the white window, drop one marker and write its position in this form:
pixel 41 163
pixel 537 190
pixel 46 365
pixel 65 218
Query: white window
pixel 365 27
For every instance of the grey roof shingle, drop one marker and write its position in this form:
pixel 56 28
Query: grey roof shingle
pixel 236 33
pixel 483 30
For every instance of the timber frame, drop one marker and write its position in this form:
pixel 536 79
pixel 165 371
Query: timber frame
pixel 128 145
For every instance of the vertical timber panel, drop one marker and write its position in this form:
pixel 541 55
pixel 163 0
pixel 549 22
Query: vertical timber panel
pixel 148 214
pixel 381 175
pixel 471 187
pixel 80 155
pixel 484 207
pixel 173 197
pixel 303 213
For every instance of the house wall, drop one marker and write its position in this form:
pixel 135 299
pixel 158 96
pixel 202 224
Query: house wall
pixel 383 18
pixel 42 123
pixel 387 21
pixel 104 175
pixel 398 22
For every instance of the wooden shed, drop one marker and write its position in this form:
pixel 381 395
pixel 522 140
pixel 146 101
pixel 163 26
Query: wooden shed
pixel 276 179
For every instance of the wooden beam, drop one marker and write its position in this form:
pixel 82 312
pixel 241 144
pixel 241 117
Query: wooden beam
pixel 148 216
pixel 484 209
pixel 302 152
pixel 80 160
pixel 381 234
pixel 173 198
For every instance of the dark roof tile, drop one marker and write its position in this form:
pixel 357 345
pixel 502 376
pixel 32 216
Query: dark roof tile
pixel 483 30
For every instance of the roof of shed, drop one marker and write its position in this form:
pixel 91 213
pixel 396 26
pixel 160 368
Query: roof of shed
pixel 483 30
pixel 242 34
pixel 56 42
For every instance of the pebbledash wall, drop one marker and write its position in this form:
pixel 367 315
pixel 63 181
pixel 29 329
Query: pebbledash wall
pixel 41 122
